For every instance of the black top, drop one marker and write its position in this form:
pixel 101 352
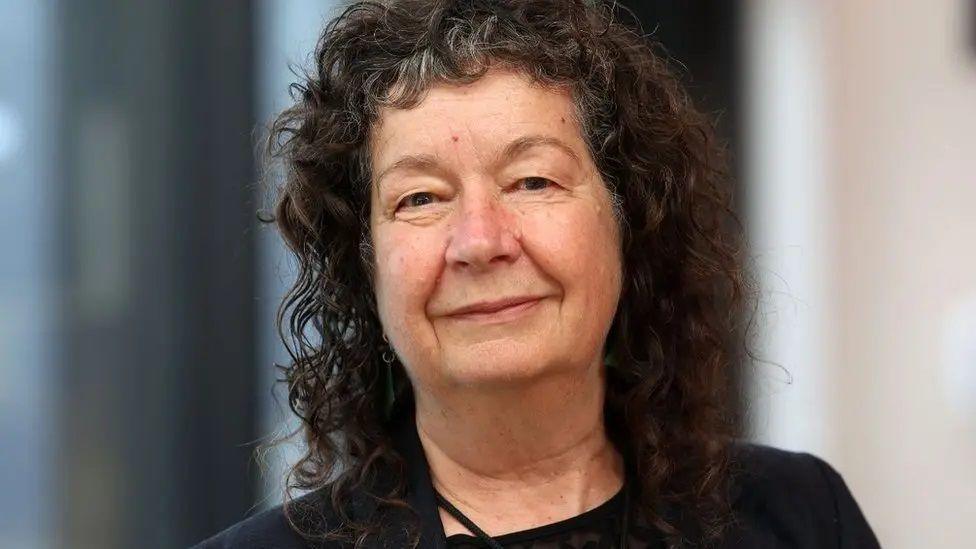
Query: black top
pixel 598 527
pixel 780 499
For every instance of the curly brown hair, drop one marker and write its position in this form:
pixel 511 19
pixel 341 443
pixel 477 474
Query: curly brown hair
pixel 670 344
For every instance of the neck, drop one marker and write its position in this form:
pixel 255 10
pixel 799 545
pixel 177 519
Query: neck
pixel 523 456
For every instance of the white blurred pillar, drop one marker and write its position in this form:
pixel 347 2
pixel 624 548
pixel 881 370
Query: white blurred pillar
pixel 786 195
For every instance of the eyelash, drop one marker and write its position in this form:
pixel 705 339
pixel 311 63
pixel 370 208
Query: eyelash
pixel 548 182
pixel 403 203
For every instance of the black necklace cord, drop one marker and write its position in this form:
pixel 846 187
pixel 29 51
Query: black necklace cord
pixel 484 538
pixel 471 526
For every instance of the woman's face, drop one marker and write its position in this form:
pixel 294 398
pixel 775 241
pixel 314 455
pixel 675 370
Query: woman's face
pixel 497 252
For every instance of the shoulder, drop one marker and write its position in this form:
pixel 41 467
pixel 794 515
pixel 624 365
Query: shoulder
pixel 271 529
pixel 793 499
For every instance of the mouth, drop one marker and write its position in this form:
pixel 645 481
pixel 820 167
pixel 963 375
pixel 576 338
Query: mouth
pixel 496 311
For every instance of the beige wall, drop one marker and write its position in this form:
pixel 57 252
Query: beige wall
pixel 900 96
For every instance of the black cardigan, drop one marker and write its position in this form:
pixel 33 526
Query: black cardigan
pixel 780 499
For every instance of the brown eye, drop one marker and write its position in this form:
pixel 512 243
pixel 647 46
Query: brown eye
pixel 416 200
pixel 535 183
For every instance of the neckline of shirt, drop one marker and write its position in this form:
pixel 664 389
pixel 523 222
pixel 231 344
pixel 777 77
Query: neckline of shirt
pixel 582 519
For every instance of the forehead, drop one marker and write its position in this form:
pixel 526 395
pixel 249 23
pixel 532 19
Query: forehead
pixel 476 119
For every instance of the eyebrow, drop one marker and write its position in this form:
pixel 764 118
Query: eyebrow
pixel 526 142
pixel 429 162
pixel 417 162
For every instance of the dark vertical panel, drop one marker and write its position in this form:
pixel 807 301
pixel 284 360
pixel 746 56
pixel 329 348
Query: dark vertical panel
pixel 220 404
pixel 158 377
pixel 701 35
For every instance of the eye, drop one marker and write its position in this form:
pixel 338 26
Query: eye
pixel 416 200
pixel 534 183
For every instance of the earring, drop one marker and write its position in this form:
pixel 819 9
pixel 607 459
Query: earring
pixel 389 393
pixel 388 356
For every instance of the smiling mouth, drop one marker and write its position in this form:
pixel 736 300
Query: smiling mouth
pixel 498 314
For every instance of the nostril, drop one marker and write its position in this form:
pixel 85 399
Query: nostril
pixel 482 247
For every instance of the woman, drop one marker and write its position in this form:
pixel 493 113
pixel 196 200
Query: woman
pixel 513 233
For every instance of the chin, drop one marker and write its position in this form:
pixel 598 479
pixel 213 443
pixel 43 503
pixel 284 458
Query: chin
pixel 497 363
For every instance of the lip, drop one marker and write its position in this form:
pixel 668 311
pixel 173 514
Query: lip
pixel 502 309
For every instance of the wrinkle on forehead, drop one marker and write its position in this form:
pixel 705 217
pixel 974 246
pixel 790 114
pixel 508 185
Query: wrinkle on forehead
pixel 451 92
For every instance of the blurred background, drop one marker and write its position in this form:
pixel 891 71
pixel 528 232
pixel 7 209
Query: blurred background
pixel 138 290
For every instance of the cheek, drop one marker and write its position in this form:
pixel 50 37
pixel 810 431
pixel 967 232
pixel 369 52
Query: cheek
pixel 578 245
pixel 408 264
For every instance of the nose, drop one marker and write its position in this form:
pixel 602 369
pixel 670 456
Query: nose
pixel 484 233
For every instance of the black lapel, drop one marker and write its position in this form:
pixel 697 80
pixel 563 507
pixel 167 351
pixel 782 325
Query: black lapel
pixel 419 489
